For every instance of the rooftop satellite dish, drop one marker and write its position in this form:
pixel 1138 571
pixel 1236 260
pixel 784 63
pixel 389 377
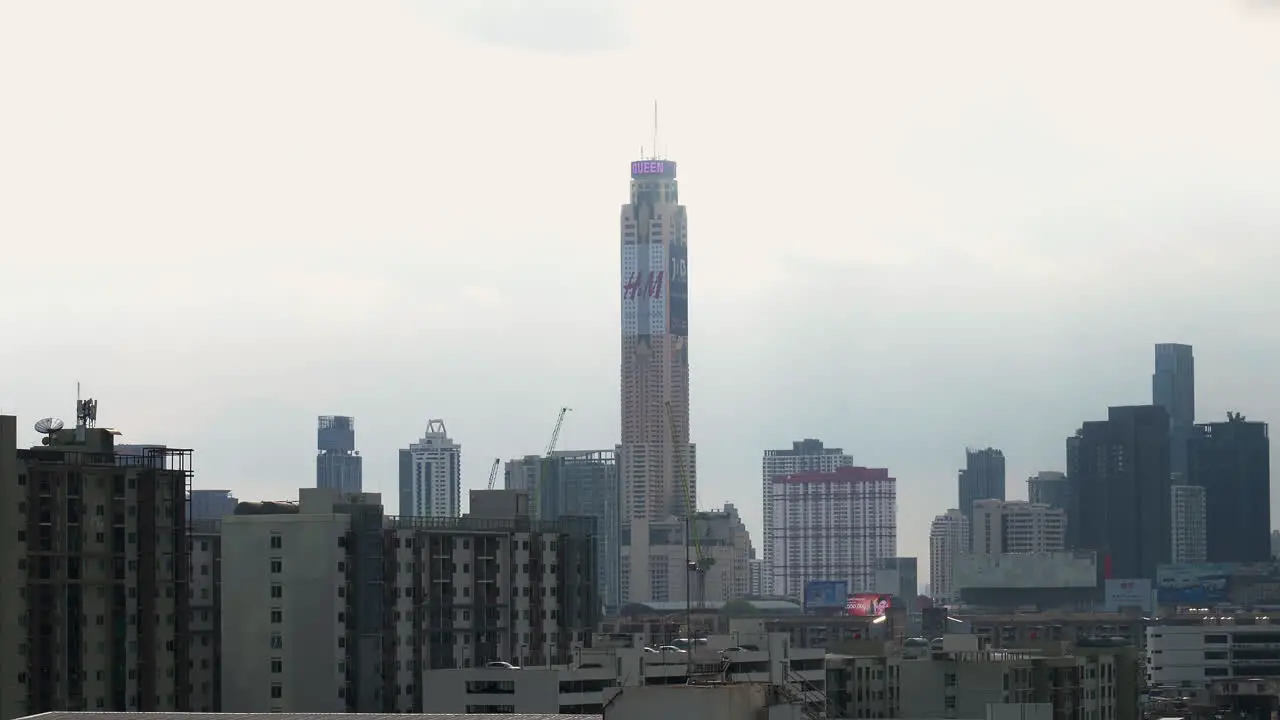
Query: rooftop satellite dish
pixel 48 426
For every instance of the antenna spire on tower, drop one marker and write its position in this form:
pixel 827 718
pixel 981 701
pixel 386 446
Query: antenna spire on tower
pixel 655 129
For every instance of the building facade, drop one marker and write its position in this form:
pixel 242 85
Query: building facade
pixel 93 573
pixel 1121 490
pixel 1187 525
pixel 949 537
pixel 328 606
pixel 804 456
pixel 982 478
pixel 1173 387
pixel 431 475
pixel 834 525
pixel 210 504
pixel 1194 651
pixel 579 483
pixel 338 465
pixel 657 461
pixel 1232 461
pixel 1018 527
pixel 1049 487
pixel 655 563
pixel 205 602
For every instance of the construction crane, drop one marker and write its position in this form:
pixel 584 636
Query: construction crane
pixel 698 562
pixel 555 434
pixel 493 472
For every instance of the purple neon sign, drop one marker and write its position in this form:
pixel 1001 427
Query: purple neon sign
pixel 652 167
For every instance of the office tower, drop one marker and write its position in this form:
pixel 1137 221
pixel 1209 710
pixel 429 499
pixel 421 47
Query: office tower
pixel 655 567
pixel 1173 387
pixel 1050 488
pixel 93 573
pixel 210 504
pixel 579 483
pixel 1016 527
pixel 948 539
pixel 205 624
pixel 311 622
pixel 1188 524
pixel 431 475
pixel 1232 461
pixel 982 478
pixel 804 456
pixel 1118 470
pixel 832 526
pixel 655 348
pixel 338 465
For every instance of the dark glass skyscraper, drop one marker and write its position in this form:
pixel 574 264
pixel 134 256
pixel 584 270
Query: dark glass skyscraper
pixel 1232 461
pixel 1118 474
pixel 1173 387
pixel 981 479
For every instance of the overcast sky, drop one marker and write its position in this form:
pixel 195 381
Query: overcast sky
pixel 913 226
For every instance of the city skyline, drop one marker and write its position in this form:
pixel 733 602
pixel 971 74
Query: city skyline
pixel 362 246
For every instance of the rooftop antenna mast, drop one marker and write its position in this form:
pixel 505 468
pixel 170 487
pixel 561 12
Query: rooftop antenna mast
pixel 655 130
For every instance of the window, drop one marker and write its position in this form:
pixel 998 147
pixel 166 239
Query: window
pixel 277 616
pixel 277 542
pixel 277 666
pixel 277 591
pixel 277 641
pixel 277 690
pixel 277 565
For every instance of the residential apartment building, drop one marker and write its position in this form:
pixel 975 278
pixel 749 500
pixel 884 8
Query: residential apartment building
pixel 655 558
pixel 949 538
pixel 431 475
pixel 804 456
pixel 93 572
pixel 1017 527
pixel 834 525
pixel 1188 528
pixel 329 606
pixel 622 661
pixel 338 465
pixel 578 483
pixel 205 602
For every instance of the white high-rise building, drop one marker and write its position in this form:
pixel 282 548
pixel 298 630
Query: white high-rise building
pixel 834 525
pixel 1189 524
pixel 1017 527
pixel 948 538
pixel 431 475
pixel 804 456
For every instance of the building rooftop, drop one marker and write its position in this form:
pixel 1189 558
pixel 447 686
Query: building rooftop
pixel 60 715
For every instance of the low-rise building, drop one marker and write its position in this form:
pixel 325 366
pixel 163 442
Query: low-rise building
pixel 1193 651
pixel 584 685
pixel 1045 580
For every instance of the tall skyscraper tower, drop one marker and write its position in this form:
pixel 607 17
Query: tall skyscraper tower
pixel 1232 461
pixel 1173 387
pixel 431 475
pixel 981 479
pixel 338 465
pixel 655 348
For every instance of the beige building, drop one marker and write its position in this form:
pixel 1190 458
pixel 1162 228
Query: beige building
pixel 1017 527
pixel 93 572
pixel 328 606
pixel 948 540
pixel 655 558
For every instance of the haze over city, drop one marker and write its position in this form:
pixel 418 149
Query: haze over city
pixel 912 228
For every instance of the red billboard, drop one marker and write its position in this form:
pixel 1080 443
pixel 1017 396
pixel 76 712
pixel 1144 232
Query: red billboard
pixel 867 605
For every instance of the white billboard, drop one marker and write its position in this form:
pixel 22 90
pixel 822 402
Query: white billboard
pixel 1128 593
pixel 1032 570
